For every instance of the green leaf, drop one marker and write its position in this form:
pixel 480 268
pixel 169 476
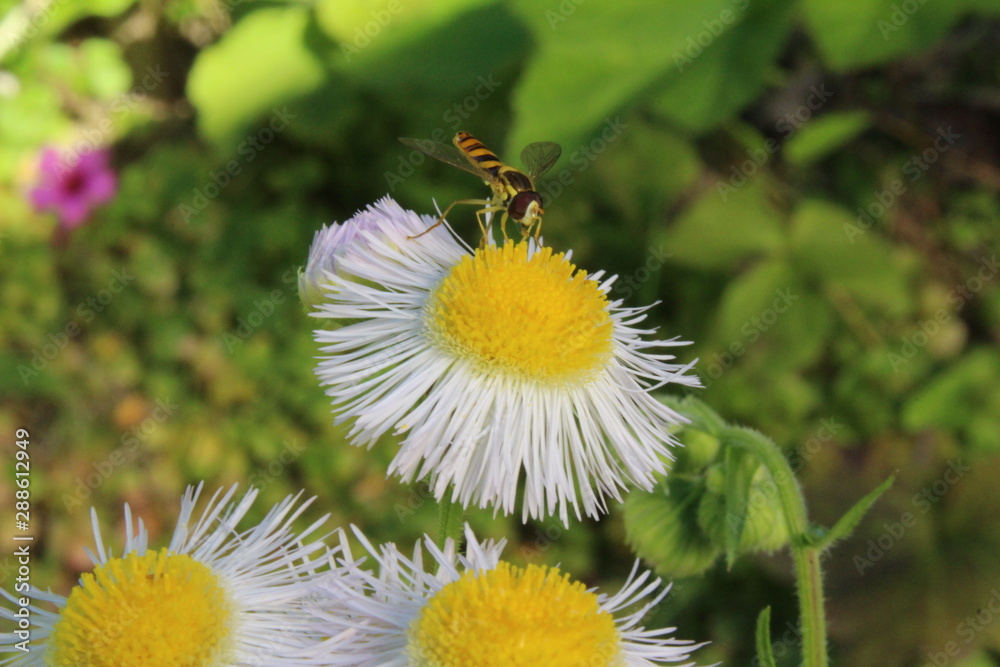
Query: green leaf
pixel 984 6
pixel 800 336
pixel 977 659
pixel 765 655
pixel 57 16
pixel 816 139
pixel 426 65
pixel 567 91
pixel 766 285
pixel 949 399
pixel 768 309
pixel 828 246
pixel 789 398
pixel 855 33
pixel 647 169
pixel 367 28
pixel 961 399
pixel 438 55
pixel 849 521
pixel 709 84
pixel 259 65
pixel 105 7
pixel 719 231
pixel 104 70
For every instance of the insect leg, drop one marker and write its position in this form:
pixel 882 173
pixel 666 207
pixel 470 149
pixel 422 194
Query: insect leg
pixel 503 224
pixel 477 202
pixel 490 209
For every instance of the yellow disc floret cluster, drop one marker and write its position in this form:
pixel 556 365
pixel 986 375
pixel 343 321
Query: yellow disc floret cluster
pixel 157 609
pixel 536 318
pixel 514 617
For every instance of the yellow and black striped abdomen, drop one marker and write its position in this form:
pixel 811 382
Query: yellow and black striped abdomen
pixel 478 154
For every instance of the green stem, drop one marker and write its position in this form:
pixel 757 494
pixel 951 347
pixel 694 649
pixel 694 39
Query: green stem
pixel 810 578
pixel 452 521
pixel 806 557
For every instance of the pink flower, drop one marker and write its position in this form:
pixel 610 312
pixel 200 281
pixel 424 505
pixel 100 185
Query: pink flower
pixel 71 189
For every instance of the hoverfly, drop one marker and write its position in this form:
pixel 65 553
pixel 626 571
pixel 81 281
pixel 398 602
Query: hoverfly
pixel 514 191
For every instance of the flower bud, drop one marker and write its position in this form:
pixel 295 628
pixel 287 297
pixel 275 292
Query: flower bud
pixel 662 528
pixel 764 528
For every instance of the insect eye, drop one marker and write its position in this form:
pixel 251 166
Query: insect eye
pixel 518 207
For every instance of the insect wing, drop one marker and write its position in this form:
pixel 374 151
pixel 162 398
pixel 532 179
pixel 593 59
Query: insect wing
pixel 539 157
pixel 438 151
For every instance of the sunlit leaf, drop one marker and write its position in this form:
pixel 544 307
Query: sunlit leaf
pixel 258 66
pixel 569 91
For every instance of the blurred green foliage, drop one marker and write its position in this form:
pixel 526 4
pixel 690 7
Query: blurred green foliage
pixel 809 188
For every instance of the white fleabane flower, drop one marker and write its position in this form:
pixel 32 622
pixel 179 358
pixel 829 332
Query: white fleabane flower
pixel 504 364
pixel 478 611
pixel 215 597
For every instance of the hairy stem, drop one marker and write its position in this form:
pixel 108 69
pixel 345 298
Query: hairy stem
pixel 451 521
pixel 806 557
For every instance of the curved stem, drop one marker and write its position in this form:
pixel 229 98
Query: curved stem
pixel 808 573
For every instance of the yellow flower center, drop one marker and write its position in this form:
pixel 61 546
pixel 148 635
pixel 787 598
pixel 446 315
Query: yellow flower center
pixel 514 617
pixel 535 318
pixel 152 610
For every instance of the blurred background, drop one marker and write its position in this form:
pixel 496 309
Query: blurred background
pixel 809 188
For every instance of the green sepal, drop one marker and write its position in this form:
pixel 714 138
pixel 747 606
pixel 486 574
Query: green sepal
pixel 702 417
pixel 764 524
pixel 662 528
pixel 765 655
pixel 740 467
